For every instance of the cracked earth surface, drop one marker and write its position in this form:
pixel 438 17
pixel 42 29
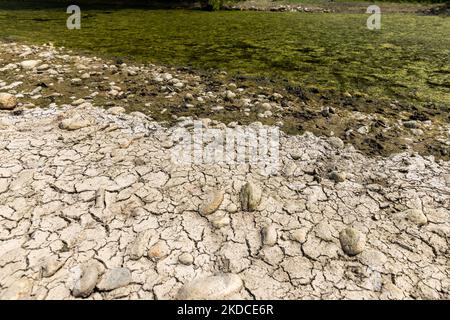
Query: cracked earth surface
pixel 91 206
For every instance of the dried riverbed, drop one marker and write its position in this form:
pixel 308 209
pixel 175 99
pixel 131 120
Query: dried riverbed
pixel 91 205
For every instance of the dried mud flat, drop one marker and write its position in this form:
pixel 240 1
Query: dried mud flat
pixel 91 206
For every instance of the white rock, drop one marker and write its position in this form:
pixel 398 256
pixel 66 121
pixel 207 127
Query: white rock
pixel 115 278
pixel 352 241
pixel 211 288
pixel 29 64
pixel 269 235
pixel 221 222
pixel 416 216
pixel 186 258
pixel 116 110
pixel 212 202
pixel 75 122
pixel 7 101
pixel 85 278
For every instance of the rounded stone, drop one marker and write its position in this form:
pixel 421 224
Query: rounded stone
pixel 352 241
pixel 299 235
pixel 212 202
pixel 116 110
pixel 230 95
pixel 269 235
pixel 215 287
pixel 159 250
pixel 29 64
pixel 250 197
pixel 7 101
pixel 186 259
pixel 114 278
pixel 337 176
pixel 221 222
pixel 86 279
pixel 416 216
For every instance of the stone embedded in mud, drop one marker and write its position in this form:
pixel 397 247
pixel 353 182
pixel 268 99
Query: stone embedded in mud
pixel 116 110
pixel 29 64
pixel 51 266
pixel 212 202
pixel 337 176
pixel 186 259
pixel 416 216
pixel 250 196
pixel 211 288
pixel 269 235
pixel 138 247
pixel 159 250
pixel 115 278
pixel 86 277
pixel 74 123
pixel 352 241
pixel 299 235
pixel 7 101
pixel 221 222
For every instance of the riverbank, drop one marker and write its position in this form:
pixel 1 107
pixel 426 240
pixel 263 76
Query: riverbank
pixel 93 206
pixel 167 94
pixel 323 6
pixel 339 6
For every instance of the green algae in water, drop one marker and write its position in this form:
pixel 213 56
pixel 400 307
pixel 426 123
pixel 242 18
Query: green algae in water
pixel 408 59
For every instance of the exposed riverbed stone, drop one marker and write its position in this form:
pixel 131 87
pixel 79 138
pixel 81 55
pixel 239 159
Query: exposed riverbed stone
pixel 212 202
pixel 352 241
pixel 115 278
pixel 139 246
pixel 221 222
pixel 250 196
pixel 7 101
pixel 269 235
pixel 29 64
pixel 116 110
pixel 74 123
pixel 159 250
pixel 186 259
pixel 416 216
pixel 85 279
pixel 211 288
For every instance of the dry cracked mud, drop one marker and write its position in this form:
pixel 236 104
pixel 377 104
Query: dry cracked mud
pixel 93 207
